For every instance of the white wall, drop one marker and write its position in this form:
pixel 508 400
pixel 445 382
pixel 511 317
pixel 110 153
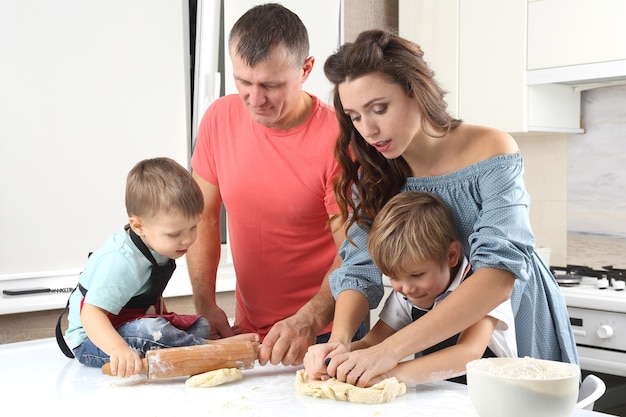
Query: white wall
pixel 88 88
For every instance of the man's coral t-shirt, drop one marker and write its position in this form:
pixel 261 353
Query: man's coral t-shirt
pixel 277 190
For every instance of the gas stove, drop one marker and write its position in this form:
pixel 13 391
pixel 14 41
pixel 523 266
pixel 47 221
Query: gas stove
pixel 596 303
pixel 595 289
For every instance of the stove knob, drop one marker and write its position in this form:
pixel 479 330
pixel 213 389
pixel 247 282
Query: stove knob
pixel 602 283
pixel 619 285
pixel 605 331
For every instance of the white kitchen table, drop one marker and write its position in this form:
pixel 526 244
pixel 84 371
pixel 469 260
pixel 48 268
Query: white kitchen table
pixel 36 377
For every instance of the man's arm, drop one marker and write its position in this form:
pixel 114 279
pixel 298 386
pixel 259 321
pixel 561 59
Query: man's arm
pixel 322 306
pixel 289 339
pixel 203 259
pixel 320 309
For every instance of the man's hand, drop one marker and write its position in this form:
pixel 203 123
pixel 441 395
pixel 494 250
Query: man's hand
pixel 287 341
pixel 218 321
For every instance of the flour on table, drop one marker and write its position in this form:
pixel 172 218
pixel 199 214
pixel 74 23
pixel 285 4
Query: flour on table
pixel 382 392
pixel 213 378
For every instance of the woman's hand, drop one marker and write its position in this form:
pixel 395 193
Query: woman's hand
pixel 318 356
pixel 363 367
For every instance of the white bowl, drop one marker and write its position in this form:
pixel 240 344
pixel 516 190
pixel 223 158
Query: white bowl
pixel 522 387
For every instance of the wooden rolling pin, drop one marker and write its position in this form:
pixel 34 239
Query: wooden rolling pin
pixel 193 360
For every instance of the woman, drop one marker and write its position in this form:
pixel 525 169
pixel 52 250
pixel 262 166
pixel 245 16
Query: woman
pixel 396 135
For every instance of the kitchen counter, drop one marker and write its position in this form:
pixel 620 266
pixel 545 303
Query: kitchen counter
pixel 36 377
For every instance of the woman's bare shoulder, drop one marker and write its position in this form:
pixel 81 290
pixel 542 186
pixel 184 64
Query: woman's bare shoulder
pixel 482 142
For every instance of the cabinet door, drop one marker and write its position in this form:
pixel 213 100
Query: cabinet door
pixel 574 32
pixel 492 84
pixel 477 50
pixel 434 26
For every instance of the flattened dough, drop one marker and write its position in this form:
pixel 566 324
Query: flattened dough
pixel 382 392
pixel 213 378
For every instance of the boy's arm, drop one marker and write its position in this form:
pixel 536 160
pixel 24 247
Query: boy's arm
pixel 473 300
pixel 124 361
pixel 377 334
pixel 449 362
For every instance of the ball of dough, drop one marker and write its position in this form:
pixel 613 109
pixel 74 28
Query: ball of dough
pixel 382 392
pixel 213 378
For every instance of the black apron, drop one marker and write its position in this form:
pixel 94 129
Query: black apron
pixel 137 306
pixel 416 313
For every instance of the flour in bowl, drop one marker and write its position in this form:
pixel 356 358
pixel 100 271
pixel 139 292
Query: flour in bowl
pixel 526 368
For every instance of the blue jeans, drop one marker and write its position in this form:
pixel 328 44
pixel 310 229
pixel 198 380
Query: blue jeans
pixel 360 332
pixel 145 334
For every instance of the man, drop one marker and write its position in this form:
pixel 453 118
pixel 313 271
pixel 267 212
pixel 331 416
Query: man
pixel 268 156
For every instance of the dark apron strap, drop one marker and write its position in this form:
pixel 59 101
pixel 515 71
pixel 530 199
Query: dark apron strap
pixel 59 334
pixel 159 276
pixel 57 331
pixel 140 245
pixel 416 313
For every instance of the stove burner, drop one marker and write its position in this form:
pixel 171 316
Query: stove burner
pixel 615 273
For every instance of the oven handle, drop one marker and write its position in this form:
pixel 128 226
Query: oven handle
pixel 600 365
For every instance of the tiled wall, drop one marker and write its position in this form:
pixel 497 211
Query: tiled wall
pixel 369 14
pixel 545 175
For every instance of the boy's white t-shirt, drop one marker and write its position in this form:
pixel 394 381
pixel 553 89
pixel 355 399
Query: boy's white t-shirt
pixel 396 313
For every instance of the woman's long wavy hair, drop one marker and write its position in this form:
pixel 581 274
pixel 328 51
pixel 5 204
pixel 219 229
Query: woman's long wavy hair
pixel 376 178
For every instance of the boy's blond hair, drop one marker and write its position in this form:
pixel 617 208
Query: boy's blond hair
pixel 162 186
pixel 412 227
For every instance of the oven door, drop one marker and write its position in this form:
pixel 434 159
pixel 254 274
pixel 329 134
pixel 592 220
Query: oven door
pixel 602 351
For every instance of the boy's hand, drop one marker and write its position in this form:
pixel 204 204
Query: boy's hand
pixel 125 362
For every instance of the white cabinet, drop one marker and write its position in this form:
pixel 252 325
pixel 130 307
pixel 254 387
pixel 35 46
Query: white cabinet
pixel 478 52
pixel 434 25
pixel 575 32
pixel 492 64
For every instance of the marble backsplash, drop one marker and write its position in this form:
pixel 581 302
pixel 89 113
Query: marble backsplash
pixel 596 172
pixel 596 251
pixel 596 181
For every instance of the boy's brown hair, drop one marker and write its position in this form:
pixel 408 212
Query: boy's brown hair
pixel 412 227
pixel 162 185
